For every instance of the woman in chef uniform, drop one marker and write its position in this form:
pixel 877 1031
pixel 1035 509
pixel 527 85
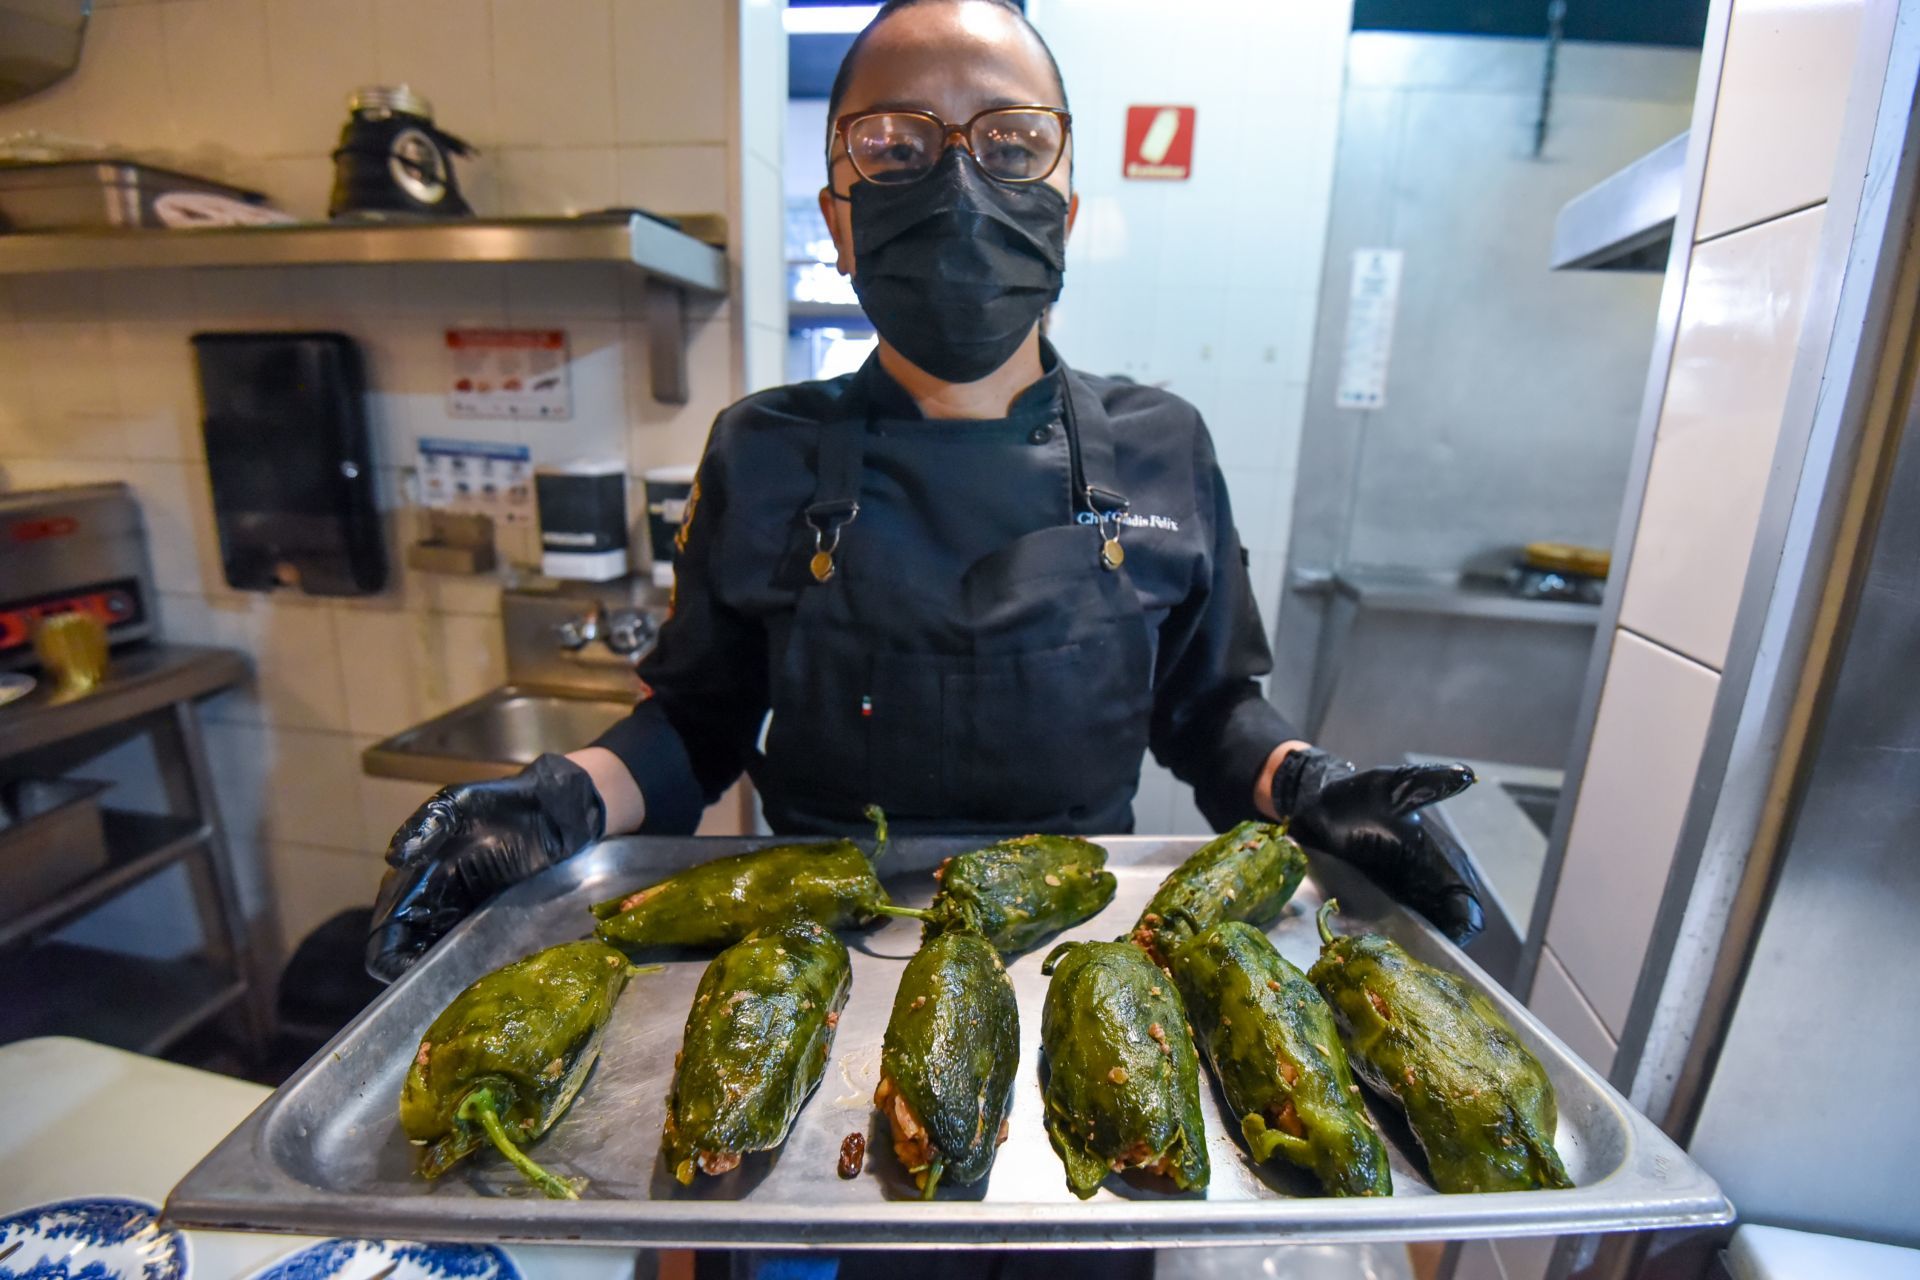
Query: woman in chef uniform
pixel 966 582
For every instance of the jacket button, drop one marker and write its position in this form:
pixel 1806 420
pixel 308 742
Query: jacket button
pixel 1040 434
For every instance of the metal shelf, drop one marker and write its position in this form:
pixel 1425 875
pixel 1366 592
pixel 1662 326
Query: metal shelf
pixel 674 262
pixel 138 845
pixel 130 1002
pixel 1625 222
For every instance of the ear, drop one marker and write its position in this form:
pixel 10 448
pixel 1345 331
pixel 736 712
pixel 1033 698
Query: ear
pixel 1073 211
pixel 839 226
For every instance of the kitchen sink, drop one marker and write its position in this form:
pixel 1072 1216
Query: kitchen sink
pixel 495 734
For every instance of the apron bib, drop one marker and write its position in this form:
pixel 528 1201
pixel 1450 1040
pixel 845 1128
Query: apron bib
pixel 1015 699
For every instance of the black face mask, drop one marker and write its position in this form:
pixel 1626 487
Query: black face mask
pixel 954 269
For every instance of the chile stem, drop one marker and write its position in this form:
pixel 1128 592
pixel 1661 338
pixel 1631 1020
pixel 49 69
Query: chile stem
pixel 479 1105
pixel 934 1170
pixel 877 816
pixel 912 913
pixel 1321 917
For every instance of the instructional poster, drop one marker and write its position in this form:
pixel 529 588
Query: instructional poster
pixel 473 477
pixel 1371 301
pixel 508 373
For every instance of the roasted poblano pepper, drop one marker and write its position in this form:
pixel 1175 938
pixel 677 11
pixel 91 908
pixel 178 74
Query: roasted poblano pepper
pixel 1122 1089
pixel 756 1046
pixel 1480 1104
pixel 1019 891
pixel 1248 874
pixel 948 1061
pixel 718 903
pixel 504 1060
pixel 1273 1046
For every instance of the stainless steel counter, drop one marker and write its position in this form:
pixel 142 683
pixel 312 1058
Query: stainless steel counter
pixel 139 681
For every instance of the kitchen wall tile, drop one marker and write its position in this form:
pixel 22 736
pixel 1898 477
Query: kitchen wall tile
pixel 1568 1015
pixel 298 185
pixel 665 435
pixel 318 52
pixel 1476 1261
pixel 468 294
pixel 218 78
pixel 77 409
pixel 679 98
pixel 542 181
pixel 385 803
pixel 297 664
pixel 339 297
pixel 553 72
pixel 553 293
pixel 1726 389
pixel 70 296
pixel 249 298
pixel 597 371
pixel 475 597
pixel 242 762
pixel 443 49
pixel 466 657
pixel 156 391
pixel 313 883
pixel 1647 736
pixel 177 512
pixel 1525 1258
pixel 760 247
pixel 674 179
pixel 118 93
pixel 147 297
pixel 380 652
pixel 312 775
pixel 1783 93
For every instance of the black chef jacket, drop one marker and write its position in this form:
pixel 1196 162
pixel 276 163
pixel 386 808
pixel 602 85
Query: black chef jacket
pixel 887 687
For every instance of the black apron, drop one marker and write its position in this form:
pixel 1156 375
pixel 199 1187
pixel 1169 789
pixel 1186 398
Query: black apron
pixel 1014 699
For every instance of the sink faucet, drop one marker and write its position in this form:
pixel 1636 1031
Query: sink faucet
pixel 626 632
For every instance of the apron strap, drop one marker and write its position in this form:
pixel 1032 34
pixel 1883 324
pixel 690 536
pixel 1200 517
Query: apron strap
pixel 1090 439
pixel 836 493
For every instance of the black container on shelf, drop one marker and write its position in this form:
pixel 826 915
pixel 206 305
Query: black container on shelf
pixel 393 161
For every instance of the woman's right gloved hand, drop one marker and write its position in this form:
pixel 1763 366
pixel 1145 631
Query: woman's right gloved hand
pixel 468 843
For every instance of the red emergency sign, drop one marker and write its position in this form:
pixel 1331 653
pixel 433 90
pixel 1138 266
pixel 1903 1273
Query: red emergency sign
pixel 1159 142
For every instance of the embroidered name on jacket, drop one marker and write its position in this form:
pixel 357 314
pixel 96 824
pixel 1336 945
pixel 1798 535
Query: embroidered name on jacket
pixel 1133 521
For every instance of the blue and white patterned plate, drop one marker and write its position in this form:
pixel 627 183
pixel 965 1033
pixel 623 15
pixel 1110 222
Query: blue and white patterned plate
pixel 392 1260
pixel 104 1238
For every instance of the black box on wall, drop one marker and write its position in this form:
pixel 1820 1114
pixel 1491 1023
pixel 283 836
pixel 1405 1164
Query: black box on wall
pixel 288 455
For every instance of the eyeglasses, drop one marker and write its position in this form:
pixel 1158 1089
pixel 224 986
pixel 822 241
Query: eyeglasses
pixel 1010 144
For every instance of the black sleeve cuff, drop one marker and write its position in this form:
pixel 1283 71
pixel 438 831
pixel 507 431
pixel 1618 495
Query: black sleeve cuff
pixel 1248 732
pixel 650 747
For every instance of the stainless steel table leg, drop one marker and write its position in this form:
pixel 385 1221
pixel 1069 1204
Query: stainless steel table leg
pixel 191 773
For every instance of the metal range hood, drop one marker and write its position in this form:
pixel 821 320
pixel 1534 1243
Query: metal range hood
pixel 1626 222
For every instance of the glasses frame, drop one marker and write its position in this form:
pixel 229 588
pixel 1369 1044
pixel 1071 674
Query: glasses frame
pixel 949 131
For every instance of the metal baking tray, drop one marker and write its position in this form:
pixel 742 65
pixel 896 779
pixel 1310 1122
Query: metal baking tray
pixel 325 1156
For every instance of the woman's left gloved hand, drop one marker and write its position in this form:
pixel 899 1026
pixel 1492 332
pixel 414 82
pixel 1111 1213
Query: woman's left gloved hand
pixel 1371 818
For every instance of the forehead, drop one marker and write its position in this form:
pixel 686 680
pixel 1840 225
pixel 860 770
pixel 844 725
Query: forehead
pixel 952 59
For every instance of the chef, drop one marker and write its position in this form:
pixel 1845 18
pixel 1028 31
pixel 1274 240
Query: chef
pixel 967 582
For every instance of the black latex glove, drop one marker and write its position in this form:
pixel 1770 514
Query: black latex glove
pixel 1371 818
pixel 468 843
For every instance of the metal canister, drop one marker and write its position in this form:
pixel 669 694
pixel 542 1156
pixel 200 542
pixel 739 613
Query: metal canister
pixel 393 161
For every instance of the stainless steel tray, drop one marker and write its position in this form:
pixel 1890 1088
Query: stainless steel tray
pixel 325 1155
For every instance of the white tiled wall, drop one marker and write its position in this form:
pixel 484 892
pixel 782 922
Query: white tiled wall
pixel 1783 91
pixel 574 104
pixel 1746 294
pixel 1207 286
pixel 1566 1012
pixel 1646 746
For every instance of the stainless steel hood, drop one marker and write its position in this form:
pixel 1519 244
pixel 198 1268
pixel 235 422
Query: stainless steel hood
pixel 1626 222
